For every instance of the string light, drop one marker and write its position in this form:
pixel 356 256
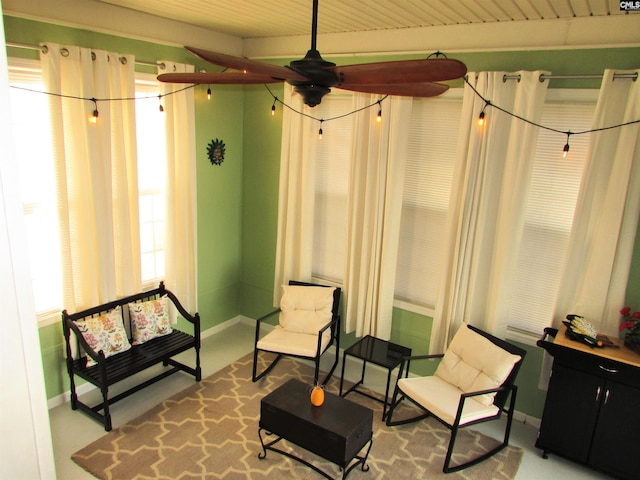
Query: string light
pixel 273 107
pixel 481 120
pixel 565 149
pixel 94 116
pixel 320 131
pixel 209 93
pixel 379 117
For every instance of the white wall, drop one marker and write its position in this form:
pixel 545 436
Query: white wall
pixel 26 451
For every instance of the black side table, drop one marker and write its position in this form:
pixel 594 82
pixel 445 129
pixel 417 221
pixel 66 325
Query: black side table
pixel 380 352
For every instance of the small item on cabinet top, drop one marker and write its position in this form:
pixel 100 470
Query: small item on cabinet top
pixel 582 331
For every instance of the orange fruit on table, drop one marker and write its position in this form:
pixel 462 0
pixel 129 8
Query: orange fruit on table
pixel 317 395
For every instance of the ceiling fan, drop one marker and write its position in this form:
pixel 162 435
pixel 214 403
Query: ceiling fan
pixel 313 77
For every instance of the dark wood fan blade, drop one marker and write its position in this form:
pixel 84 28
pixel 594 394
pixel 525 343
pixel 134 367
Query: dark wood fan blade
pixel 402 71
pixel 226 78
pixel 250 66
pixel 401 89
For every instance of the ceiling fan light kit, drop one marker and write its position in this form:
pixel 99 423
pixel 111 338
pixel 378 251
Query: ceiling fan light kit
pixel 313 77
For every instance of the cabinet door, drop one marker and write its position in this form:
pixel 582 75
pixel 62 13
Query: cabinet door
pixel 570 413
pixel 617 436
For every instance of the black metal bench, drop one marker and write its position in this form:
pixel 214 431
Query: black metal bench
pixel 110 370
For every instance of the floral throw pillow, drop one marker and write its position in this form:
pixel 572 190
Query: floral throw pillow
pixel 105 333
pixel 149 320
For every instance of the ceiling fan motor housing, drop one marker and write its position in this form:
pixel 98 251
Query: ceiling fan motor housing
pixel 321 78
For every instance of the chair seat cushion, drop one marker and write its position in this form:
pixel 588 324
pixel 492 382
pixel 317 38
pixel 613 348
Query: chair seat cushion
pixel 293 343
pixel 473 363
pixel 442 399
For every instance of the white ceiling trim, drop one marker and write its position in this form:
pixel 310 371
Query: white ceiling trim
pixel 584 32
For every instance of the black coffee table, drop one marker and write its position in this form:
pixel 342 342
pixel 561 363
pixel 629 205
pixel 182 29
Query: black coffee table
pixel 337 431
pixel 380 352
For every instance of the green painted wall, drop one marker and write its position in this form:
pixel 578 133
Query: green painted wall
pixel 219 188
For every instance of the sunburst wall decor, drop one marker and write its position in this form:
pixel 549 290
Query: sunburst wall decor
pixel 215 151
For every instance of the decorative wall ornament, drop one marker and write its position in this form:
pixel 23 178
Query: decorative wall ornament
pixel 215 151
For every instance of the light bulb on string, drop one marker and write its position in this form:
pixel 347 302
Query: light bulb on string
pixel 95 114
pixel 273 107
pixel 160 108
pixel 320 131
pixel 209 93
pixel 565 149
pixel 481 118
pixel 379 117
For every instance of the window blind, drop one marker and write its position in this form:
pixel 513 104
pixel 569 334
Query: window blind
pixel 433 136
pixel 550 209
pixel 333 157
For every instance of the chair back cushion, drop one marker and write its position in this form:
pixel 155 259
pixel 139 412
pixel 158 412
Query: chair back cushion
pixel 305 309
pixel 473 363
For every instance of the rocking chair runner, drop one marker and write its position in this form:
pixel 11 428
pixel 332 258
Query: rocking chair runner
pixel 471 385
pixel 309 324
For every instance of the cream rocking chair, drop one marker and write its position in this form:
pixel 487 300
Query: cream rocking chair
pixel 472 384
pixel 309 324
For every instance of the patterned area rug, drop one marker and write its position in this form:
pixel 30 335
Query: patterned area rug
pixel 210 430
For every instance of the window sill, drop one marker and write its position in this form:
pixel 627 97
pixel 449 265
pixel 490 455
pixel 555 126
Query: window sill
pixel 49 318
pixel 521 336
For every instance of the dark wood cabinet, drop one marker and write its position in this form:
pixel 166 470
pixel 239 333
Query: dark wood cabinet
pixel 592 410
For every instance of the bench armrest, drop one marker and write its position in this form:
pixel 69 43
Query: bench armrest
pixel 71 326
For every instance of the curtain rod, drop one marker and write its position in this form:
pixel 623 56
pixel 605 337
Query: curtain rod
pixel 544 76
pixel 44 49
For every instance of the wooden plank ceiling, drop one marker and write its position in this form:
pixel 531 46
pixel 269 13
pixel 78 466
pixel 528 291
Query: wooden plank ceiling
pixel 276 18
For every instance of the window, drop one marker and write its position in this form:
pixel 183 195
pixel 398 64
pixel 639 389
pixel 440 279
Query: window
pixel 30 111
pixel 333 155
pixel 152 160
pixel 433 136
pixel 33 152
pixel 551 205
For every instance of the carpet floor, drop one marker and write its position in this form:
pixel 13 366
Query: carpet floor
pixel 210 431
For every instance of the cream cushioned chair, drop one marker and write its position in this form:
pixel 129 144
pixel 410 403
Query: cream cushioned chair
pixel 472 384
pixel 308 325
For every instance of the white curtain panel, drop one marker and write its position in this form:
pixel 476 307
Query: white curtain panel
pixel 484 226
pixel 606 219
pixel 95 172
pixel 374 210
pixel 181 264
pixel 296 197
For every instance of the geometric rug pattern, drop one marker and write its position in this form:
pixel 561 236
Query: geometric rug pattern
pixel 210 431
